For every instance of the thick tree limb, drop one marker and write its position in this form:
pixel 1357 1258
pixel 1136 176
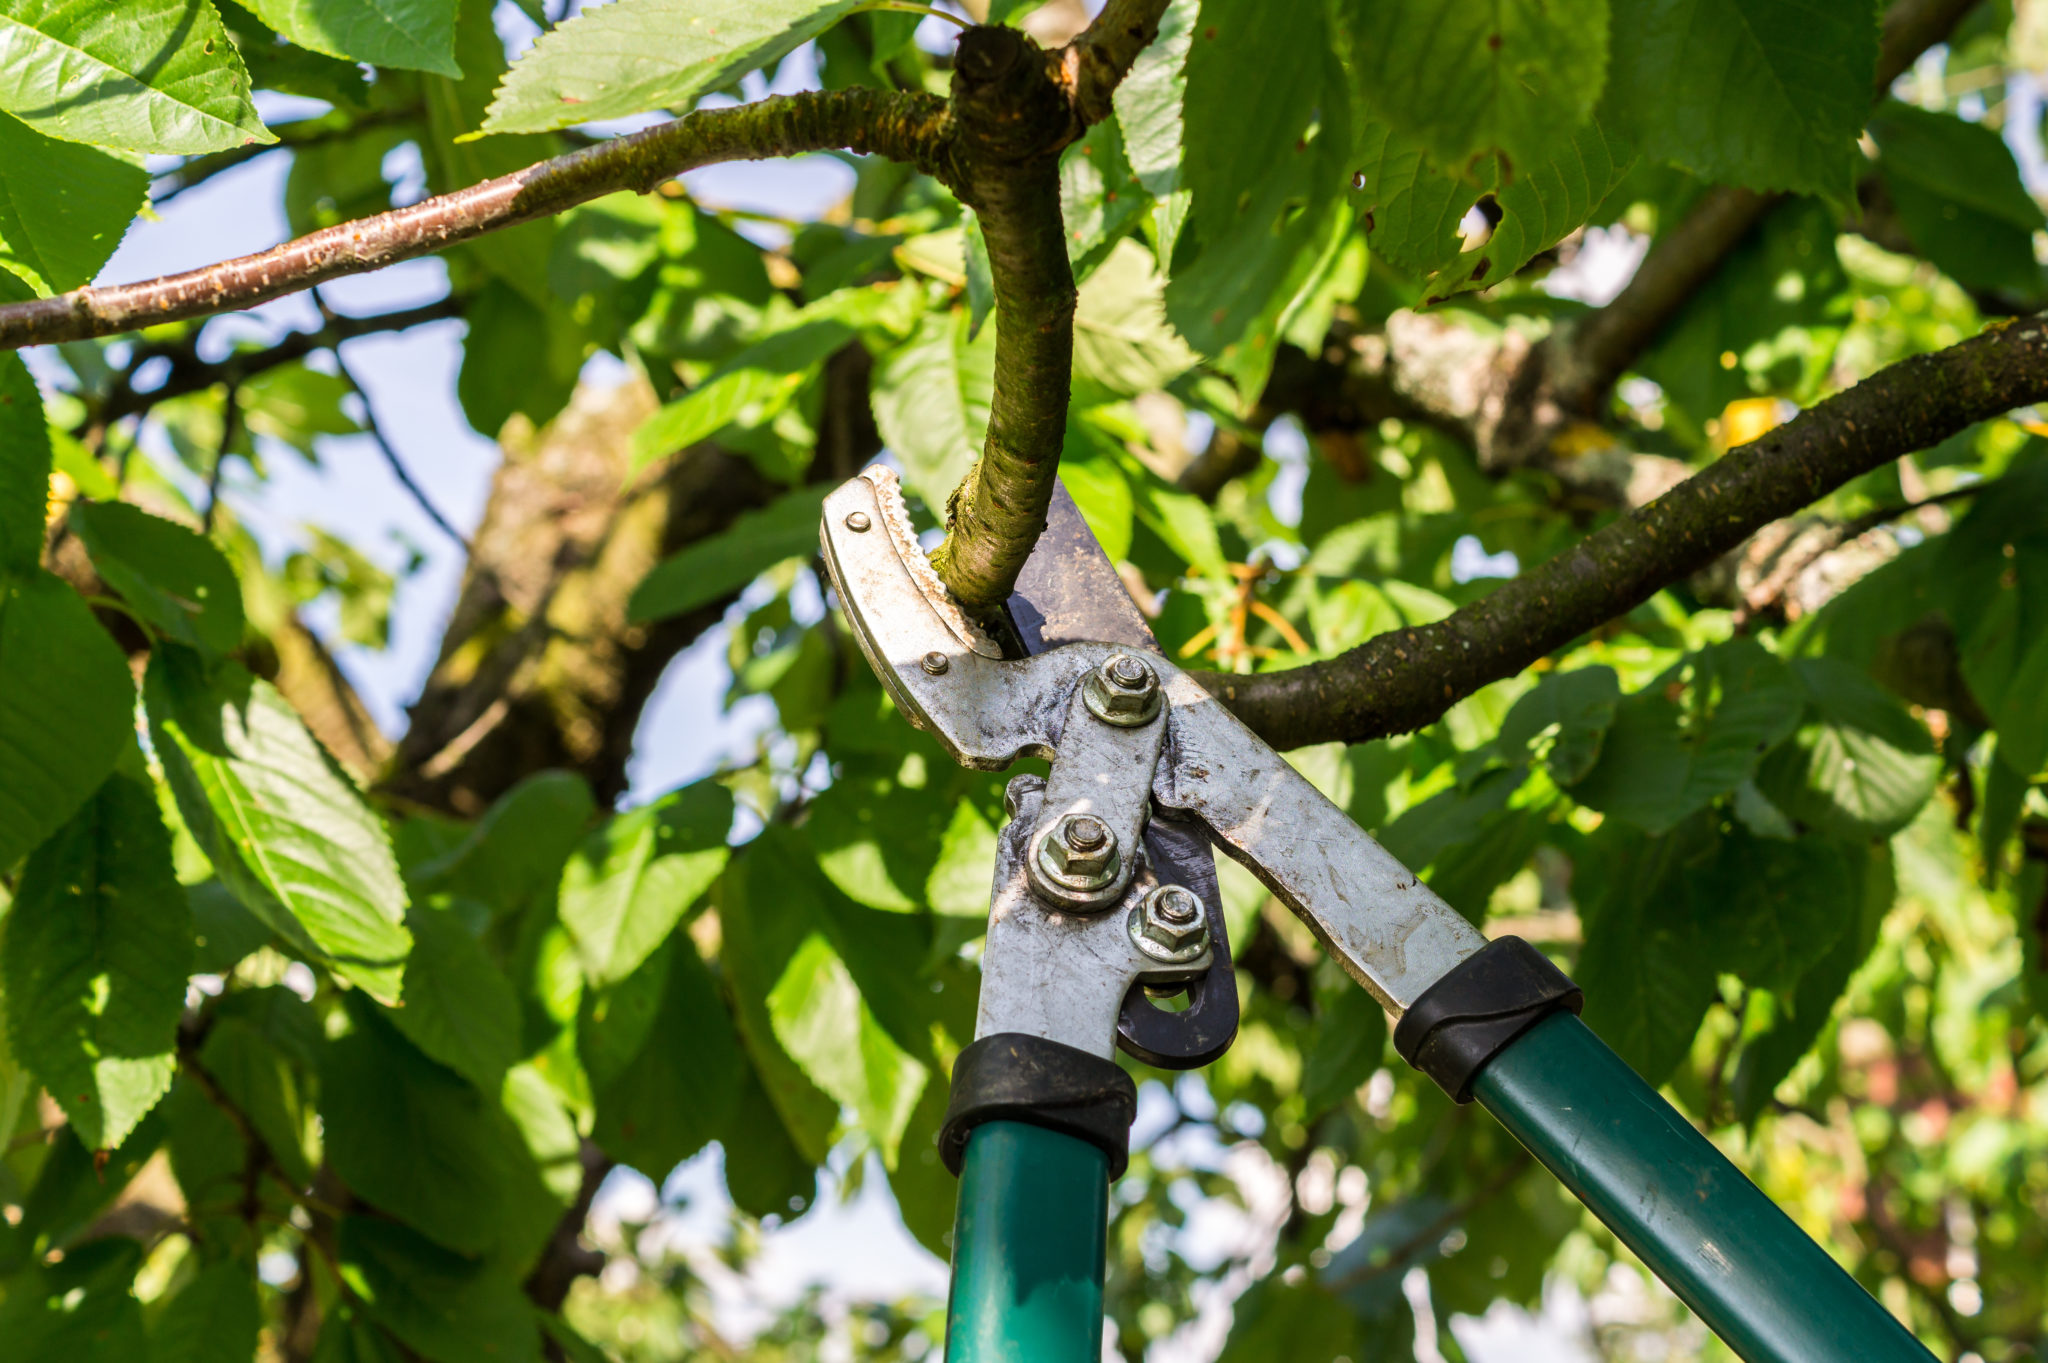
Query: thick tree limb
pixel 905 127
pixel 1014 109
pixel 1405 679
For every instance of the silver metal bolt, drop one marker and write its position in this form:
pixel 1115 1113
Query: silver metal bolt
pixel 933 662
pixel 1123 691
pixel 857 521
pixel 1168 925
pixel 1079 853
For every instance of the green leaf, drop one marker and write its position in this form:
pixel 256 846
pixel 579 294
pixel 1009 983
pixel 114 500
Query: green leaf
pixel 1570 711
pixel 24 471
pixel 537 1108
pixel 1122 341
pixel 418 1142
pixel 765 1173
pixel 1647 979
pixel 1958 192
pixel 284 829
pixel 677 1094
pixel 266 1084
pixel 1412 206
pixel 1278 1319
pixel 1100 199
pixel 67 707
pixel 770 902
pixel 447 1308
pixel 150 75
pixel 518 358
pixel 63 207
pixel 1766 909
pixel 414 35
pixel 964 875
pixel 637 55
pixel 750 389
pixel 213 1319
pixel 1512 76
pixel 97 948
pixel 457 1006
pixel 626 888
pixel 931 397
pixel 1148 101
pixel 1863 766
pixel 518 256
pixel 1350 1042
pixel 1266 138
pixel 171 576
pixel 81 1309
pixel 1661 763
pixel 517 849
pixel 1751 92
pixel 1803 1014
pixel 823 1022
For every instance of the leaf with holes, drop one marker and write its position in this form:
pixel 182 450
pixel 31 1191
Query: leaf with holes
pixel 148 75
pixel 637 55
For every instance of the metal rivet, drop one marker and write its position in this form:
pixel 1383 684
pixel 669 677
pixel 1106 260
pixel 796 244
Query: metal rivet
pixel 857 521
pixel 934 662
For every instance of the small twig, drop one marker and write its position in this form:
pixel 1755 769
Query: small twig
pixel 230 422
pixel 1788 569
pixel 384 445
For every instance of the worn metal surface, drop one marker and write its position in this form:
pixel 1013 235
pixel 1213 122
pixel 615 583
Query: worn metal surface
pixel 1062 976
pixel 1069 591
pixel 1390 931
pixel 1104 770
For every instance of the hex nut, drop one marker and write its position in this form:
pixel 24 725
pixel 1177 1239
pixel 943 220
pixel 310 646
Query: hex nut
pixel 1123 691
pixel 1079 852
pixel 1168 925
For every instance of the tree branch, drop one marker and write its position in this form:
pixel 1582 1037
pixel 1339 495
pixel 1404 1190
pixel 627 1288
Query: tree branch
pixel 1095 63
pixel 905 127
pixel 1405 679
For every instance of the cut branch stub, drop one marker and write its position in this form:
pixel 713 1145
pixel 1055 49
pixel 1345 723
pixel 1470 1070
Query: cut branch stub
pixel 1011 118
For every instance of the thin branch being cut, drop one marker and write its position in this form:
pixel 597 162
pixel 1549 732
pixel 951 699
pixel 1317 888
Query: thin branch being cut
pixel 1014 109
pixel 905 127
pixel 1405 679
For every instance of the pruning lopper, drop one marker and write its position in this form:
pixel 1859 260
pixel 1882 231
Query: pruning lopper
pixel 1105 897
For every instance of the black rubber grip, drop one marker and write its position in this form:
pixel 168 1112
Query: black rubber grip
pixel 1014 1077
pixel 1478 1010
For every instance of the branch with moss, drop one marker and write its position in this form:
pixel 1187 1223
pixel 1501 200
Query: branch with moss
pixel 904 127
pixel 1405 679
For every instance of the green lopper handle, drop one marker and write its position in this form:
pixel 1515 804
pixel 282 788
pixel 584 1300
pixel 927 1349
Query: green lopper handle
pixel 1729 1253
pixel 1028 1248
